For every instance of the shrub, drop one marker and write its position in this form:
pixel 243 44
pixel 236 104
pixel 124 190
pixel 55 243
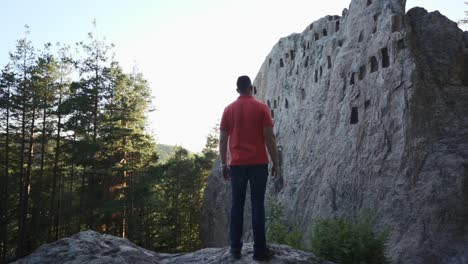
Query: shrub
pixel 277 229
pixel 349 242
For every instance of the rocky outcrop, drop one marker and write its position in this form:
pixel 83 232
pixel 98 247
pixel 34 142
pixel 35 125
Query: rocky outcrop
pixel 92 247
pixel 371 112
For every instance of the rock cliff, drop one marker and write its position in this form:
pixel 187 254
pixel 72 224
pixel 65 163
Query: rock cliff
pixel 371 112
pixel 92 247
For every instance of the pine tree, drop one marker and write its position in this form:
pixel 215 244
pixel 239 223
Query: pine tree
pixel 7 81
pixel 22 65
pixel 43 79
pixel 93 92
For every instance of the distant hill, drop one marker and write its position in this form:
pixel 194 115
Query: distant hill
pixel 164 151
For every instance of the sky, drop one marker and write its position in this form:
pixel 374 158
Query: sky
pixel 191 52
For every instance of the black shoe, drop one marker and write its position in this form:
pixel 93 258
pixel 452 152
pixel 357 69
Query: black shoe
pixel 236 254
pixel 266 255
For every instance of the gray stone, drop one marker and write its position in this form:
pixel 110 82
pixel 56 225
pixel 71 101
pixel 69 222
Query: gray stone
pixel 391 138
pixel 92 247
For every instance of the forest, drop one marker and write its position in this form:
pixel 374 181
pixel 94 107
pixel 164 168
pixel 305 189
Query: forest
pixel 76 154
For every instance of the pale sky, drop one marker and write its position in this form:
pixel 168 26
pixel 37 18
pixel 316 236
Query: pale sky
pixel 190 51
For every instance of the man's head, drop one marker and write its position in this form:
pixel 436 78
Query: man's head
pixel 244 85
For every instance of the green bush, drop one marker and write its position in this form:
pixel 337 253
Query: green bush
pixel 278 231
pixel 350 242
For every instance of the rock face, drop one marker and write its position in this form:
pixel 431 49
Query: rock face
pixel 371 112
pixel 92 247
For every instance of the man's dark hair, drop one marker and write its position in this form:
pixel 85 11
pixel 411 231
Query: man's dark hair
pixel 243 83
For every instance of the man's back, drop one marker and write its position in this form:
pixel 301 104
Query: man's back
pixel 247 125
pixel 244 121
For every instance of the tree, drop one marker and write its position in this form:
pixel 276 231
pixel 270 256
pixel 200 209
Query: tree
pixel 22 65
pixel 93 88
pixel 63 70
pixel 44 80
pixel 7 81
pixel 76 154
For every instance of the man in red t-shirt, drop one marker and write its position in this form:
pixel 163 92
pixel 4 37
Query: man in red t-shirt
pixel 247 125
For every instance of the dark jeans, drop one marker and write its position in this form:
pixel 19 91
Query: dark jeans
pixel 257 176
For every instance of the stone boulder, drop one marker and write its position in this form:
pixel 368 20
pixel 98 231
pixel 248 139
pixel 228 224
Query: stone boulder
pixel 371 113
pixel 93 248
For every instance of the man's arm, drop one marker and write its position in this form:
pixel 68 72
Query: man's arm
pixel 270 141
pixel 223 139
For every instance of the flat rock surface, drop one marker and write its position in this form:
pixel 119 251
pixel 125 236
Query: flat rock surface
pixel 94 248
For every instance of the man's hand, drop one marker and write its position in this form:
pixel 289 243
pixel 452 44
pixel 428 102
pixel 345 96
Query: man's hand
pixel 226 173
pixel 270 142
pixel 275 170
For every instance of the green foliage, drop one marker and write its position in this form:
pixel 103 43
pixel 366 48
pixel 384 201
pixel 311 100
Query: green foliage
pixel 350 242
pixel 164 152
pixel 277 229
pixel 72 131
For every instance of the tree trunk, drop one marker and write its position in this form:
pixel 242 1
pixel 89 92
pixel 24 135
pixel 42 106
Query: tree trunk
pixel 124 219
pixel 27 182
pixel 70 202
pixel 19 247
pixel 38 210
pixel 59 206
pixel 4 216
pixel 55 170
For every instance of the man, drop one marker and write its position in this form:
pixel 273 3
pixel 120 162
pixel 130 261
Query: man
pixel 248 125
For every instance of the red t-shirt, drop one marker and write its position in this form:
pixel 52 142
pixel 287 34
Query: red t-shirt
pixel 244 120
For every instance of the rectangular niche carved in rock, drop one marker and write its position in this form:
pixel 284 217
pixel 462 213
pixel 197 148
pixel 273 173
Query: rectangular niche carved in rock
pixel 354 116
pixel 286 103
pixel 376 16
pixel 303 94
pixel 361 36
pixel 385 58
pixel 397 23
pixel 316 76
pixel 329 62
pixel 401 44
pixel 281 63
pixel 274 104
pixel 324 32
pixel 362 72
pixel 255 89
pixel 337 26
pixel 366 104
pixel 268 103
pixel 293 54
pixel 351 82
pixel 269 61
pixel 272 114
pixel 311 26
pixel 374 65
pixel 321 71
pixel 306 64
pixel 316 36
